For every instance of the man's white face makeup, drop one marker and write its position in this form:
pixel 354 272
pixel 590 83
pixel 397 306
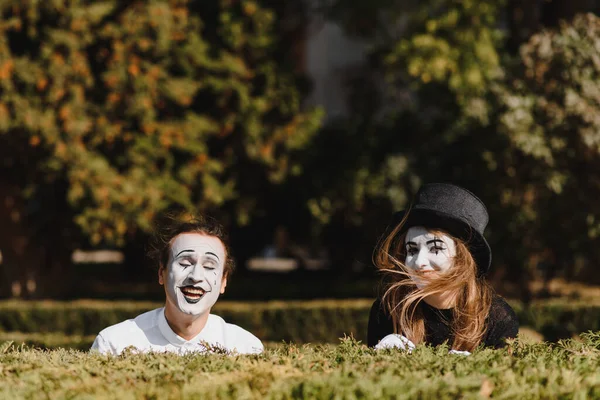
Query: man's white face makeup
pixel 193 277
pixel 428 254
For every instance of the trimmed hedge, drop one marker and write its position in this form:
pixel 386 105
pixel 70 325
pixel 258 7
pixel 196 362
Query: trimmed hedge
pixel 53 340
pixel 294 321
pixel 314 321
pixel 560 318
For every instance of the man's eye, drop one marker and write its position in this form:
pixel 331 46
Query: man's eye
pixel 185 263
pixel 209 266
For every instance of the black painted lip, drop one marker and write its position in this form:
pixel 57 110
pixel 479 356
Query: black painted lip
pixel 188 299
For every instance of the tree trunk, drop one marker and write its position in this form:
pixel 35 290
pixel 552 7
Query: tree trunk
pixel 523 21
pixel 13 243
pixel 35 263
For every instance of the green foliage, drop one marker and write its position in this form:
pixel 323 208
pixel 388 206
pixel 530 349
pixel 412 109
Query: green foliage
pixel 319 321
pixel 143 106
pixel 58 340
pixel 349 370
pixel 443 99
pixel 451 43
pixel 418 112
pixel 550 107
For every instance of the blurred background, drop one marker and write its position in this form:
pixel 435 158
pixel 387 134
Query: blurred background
pixel 301 125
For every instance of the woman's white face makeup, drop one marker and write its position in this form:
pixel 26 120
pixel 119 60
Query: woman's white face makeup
pixel 428 254
pixel 193 277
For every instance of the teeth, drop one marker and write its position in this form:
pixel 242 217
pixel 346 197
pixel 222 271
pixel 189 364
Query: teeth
pixel 191 290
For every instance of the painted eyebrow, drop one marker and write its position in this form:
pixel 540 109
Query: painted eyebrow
pixel 435 240
pixel 184 251
pixel 410 244
pixel 213 254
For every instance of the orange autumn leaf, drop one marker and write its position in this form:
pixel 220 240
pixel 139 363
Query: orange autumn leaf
pixel 64 112
pixel 148 128
pixel 201 159
pixel 77 25
pixel 6 69
pixel 144 44
pixel 34 141
pixel 250 8
pixel 41 84
pixel 59 94
pixel 113 98
pixel 147 102
pixel 165 141
pixel 178 36
pixel 61 149
pixel 154 72
pixel 111 81
pixel 3 111
pixel 266 150
pixel 103 193
pixel 226 129
pixel 133 69
pixel 58 59
pixel 289 130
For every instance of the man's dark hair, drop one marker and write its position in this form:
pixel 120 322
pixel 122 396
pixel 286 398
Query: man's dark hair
pixel 169 226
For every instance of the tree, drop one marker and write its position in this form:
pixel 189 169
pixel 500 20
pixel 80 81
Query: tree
pixel 550 108
pixel 124 110
pixel 445 98
pixel 413 110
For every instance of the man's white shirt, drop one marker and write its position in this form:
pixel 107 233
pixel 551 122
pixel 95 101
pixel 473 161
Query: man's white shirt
pixel 150 332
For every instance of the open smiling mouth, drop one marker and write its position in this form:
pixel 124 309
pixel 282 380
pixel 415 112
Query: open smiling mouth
pixel 192 294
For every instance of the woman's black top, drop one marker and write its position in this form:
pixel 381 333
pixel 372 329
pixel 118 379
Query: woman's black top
pixel 502 323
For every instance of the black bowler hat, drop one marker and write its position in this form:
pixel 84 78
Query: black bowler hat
pixel 455 210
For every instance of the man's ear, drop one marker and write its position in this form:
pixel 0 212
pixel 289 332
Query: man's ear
pixel 161 280
pixel 223 285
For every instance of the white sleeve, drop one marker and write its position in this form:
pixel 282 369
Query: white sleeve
pixel 245 342
pixel 101 345
pixel 255 346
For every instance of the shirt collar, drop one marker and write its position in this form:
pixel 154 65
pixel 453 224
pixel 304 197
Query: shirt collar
pixel 175 339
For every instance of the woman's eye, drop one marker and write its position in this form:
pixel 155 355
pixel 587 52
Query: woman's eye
pixel 436 249
pixel 411 251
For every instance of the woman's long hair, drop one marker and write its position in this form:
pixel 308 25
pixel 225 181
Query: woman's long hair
pixel 402 298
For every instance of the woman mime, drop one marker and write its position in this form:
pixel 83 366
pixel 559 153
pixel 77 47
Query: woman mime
pixel 434 259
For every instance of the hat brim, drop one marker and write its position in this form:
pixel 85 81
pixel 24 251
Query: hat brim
pixel 433 219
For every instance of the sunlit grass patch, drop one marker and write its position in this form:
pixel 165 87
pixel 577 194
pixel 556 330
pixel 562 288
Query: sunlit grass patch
pixel 284 371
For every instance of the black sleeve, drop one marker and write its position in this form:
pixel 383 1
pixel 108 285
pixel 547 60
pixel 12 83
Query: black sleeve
pixel 502 324
pixel 380 324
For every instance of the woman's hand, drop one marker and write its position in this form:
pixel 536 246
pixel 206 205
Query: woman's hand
pixel 393 340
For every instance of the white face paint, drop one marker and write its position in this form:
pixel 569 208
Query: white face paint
pixel 428 254
pixel 193 277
